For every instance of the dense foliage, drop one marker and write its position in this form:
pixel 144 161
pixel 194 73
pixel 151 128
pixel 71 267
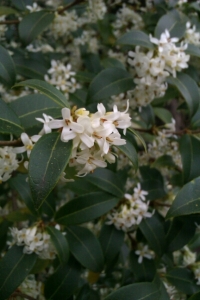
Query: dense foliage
pixel 99 149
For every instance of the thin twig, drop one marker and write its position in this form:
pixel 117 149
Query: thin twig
pixel 14 143
pixel 19 294
pixel 162 204
pixel 61 10
pixel 9 22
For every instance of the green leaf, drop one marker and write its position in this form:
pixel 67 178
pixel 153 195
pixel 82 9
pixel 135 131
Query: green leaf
pixel 135 38
pixel 60 243
pixel 33 24
pixel 180 233
pixel 195 296
pixel 193 50
pixel 7 68
pixel 63 282
pixel 14 266
pixel 81 186
pixel 86 293
pixel 21 4
pixel 111 240
pixel 129 150
pixel 144 271
pixel 163 114
pixel 189 149
pixel 110 62
pixel 188 89
pixel 107 181
pixel 29 107
pixel 153 230
pixel 159 283
pixel 9 122
pixel 46 89
pixel 84 77
pixel 109 82
pixel 48 161
pixel 30 68
pixel 187 201
pixel 136 291
pixel 139 137
pixel 85 247
pixel 163 161
pixel 183 280
pixel 5 10
pixel 85 208
pixel 174 22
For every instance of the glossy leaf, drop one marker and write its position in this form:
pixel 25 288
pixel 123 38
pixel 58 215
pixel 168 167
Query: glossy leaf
pixel 163 114
pixel 9 122
pixel 85 208
pixel 5 10
pixel 7 68
pixel 153 230
pixel 111 240
pixel 193 50
pixel 46 89
pixel 61 284
pixel 30 69
pixel 14 266
pixel 189 149
pixel 195 296
pixel 163 161
pixel 144 271
pixel 109 82
pixel 187 200
pixel 60 243
pixel 85 247
pixel 139 137
pixel 107 181
pixel 33 24
pixel 183 280
pixel 136 38
pixel 86 293
pixel 136 291
pixel 110 62
pixel 129 150
pixel 21 4
pixel 30 107
pixel 48 161
pixel 188 89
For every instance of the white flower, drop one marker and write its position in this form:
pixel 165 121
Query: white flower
pixel 46 128
pixel 28 144
pixel 144 251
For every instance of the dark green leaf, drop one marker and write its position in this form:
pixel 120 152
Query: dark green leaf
pixel 188 89
pixel 9 122
pixel 63 282
pixel 84 77
pixel 138 136
pixel 136 38
pixel 129 150
pixel 29 107
pixel 159 283
pixel 81 186
pixel 144 271
pixel 111 62
pixel 30 68
pixel 7 68
pixel 14 266
pixel 193 50
pixel 163 114
pixel 48 161
pixel 85 208
pixel 21 4
pixel 85 247
pixel 183 280
pixel 195 296
pixel 163 161
pixel 86 293
pixel 187 201
pixel 109 82
pixel 111 240
pixel 153 230
pixel 5 10
pixel 33 24
pixel 60 243
pixel 107 181
pixel 147 115
pixel 136 291
pixel 46 89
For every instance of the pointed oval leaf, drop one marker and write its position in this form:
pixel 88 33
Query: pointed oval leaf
pixel 9 122
pixel 129 150
pixel 144 271
pixel 111 81
pixel 60 243
pixel 136 291
pixel 46 89
pixel 85 208
pixel 193 50
pixel 29 107
pixel 85 247
pixel 7 68
pixel 14 266
pixel 5 10
pixel 63 282
pixel 135 38
pixel 195 296
pixel 48 161
pixel 33 24
pixel 188 89
pixel 187 201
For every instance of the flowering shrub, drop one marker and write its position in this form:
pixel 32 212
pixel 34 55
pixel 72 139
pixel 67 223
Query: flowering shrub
pixel 99 150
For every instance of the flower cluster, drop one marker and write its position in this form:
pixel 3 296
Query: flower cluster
pixel 191 35
pixel 88 38
pixel 31 287
pixel 131 211
pixel 144 252
pixel 152 68
pixel 96 10
pixel 8 163
pixel 3 28
pixel 35 240
pixel 62 77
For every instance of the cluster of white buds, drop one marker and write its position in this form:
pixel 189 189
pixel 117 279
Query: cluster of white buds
pixel 33 8
pixel 173 293
pixel 131 211
pixel 144 252
pixel 88 38
pixel 96 10
pixel 8 163
pixel 34 240
pixel 126 18
pixel 64 24
pixel 196 270
pixel 191 35
pixel 31 287
pixel 62 77
pixel 152 68
pixel 3 28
